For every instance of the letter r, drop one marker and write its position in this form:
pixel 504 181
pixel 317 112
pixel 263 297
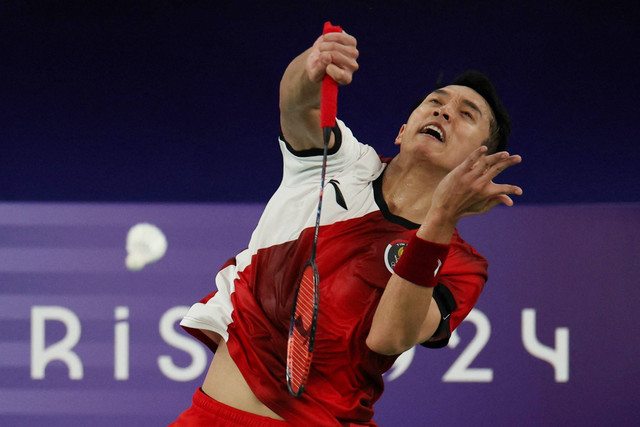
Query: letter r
pixel 61 350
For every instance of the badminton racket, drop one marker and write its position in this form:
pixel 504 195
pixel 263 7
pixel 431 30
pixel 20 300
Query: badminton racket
pixel 302 330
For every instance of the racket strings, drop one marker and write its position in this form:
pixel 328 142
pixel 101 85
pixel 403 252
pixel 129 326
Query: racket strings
pixel 303 319
pixel 300 346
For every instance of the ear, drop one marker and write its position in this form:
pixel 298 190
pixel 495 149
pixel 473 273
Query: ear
pixel 398 140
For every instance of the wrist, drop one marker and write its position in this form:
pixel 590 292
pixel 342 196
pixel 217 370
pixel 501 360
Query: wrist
pixel 421 261
pixel 437 228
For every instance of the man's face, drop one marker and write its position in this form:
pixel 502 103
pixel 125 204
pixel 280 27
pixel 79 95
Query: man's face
pixel 449 124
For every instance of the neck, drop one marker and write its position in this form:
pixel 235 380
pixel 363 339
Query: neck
pixel 408 189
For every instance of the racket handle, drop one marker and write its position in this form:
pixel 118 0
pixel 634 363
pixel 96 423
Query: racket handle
pixel 329 92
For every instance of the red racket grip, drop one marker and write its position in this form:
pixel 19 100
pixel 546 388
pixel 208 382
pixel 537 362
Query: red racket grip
pixel 329 93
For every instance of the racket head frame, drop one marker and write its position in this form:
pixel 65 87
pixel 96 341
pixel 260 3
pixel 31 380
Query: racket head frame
pixel 297 389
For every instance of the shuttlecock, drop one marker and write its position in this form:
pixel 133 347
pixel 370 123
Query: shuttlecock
pixel 146 243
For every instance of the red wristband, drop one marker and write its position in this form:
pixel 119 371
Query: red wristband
pixel 421 261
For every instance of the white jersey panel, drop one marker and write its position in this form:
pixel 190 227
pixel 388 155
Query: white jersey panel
pixel 215 315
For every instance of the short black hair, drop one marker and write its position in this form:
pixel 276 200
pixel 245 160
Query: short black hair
pixel 500 126
pixel 500 130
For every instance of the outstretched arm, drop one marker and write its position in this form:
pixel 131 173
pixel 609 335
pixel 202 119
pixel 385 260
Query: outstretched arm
pixel 334 54
pixel 407 314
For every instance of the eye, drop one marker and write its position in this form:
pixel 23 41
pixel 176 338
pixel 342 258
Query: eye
pixel 467 114
pixel 434 101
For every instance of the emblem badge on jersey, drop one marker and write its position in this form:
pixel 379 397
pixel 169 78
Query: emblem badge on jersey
pixel 393 253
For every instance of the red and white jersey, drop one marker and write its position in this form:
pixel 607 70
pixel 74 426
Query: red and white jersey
pixel 358 244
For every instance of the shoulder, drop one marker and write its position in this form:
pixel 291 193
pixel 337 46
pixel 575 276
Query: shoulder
pixel 347 154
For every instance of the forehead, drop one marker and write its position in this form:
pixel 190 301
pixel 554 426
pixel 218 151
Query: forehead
pixel 465 95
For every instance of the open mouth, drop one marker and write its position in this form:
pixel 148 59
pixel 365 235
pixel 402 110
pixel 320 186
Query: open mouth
pixel 433 131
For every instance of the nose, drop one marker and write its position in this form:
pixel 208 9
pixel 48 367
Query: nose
pixel 443 113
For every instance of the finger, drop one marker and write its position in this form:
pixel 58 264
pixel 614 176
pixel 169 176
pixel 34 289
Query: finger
pixel 317 65
pixel 490 204
pixel 342 38
pixel 484 164
pixel 473 158
pixel 343 61
pixel 340 53
pixel 338 41
pixel 501 199
pixel 501 164
pixel 496 189
pixel 342 76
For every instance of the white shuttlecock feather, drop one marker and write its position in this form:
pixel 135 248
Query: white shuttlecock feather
pixel 146 243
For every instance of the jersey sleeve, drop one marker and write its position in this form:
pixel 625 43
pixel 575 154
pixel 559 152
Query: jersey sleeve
pixel 302 167
pixel 213 313
pixel 462 279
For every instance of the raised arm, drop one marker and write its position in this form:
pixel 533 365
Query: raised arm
pixel 334 54
pixel 407 314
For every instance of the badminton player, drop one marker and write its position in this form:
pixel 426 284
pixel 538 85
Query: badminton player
pixel 393 270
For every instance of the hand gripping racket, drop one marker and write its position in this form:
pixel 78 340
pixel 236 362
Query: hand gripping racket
pixel 302 329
